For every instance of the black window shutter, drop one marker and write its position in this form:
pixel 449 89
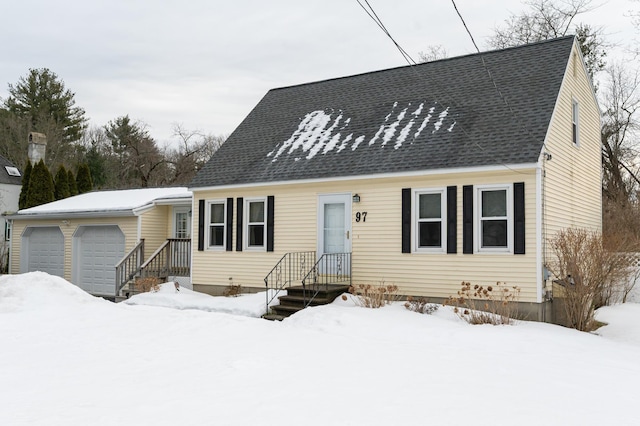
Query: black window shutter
pixel 201 225
pixel 467 219
pixel 452 216
pixel 270 206
pixel 239 224
pixel 406 220
pixel 229 224
pixel 518 213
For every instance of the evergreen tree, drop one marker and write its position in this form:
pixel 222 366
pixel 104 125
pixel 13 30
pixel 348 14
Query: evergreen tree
pixel 42 94
pixel 61 183
pixel 83 179
pixel 71 181
pixel 40 186
pixel 26 175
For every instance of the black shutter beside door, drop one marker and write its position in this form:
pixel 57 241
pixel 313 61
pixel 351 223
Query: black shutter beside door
pixel 270 210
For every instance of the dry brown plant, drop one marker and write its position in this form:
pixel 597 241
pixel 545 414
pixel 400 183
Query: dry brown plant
pixel 148 284
pixel 232 290
pixel 374 296
pixel 591 274
pixel 420 305
pixel 495 305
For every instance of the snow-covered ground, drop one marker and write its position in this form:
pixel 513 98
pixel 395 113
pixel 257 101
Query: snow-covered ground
pixel 67 358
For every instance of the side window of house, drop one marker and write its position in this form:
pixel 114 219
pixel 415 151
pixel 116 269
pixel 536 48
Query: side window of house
pixel 429 220
pixel 255 223
pixel 575 122
pixel 216 224
pixel 494 217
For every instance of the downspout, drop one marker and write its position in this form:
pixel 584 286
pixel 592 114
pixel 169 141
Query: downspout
pixel 540 231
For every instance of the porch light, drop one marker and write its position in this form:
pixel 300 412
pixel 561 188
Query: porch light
pixel 356 198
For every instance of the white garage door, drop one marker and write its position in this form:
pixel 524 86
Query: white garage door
pixel 44 250
pixel 98 249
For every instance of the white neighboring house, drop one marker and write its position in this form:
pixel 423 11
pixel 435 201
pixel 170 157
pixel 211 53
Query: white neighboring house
pixel 10 185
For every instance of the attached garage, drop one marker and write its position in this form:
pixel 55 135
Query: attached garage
pixel 43 250
pixel 96 250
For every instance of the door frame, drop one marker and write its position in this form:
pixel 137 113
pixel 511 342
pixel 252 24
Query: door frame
pixel 174 222
pixel 335 198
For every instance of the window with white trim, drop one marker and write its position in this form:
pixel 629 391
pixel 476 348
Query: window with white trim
pixel 216 224
pixel 495 218
pixel 255 223
pixel 429 220
pixel 575 122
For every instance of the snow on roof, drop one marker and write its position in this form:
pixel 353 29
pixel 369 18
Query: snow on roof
pixel 319 132
pixel 108 201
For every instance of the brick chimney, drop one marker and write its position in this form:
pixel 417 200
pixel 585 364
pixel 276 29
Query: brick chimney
pixel 37 147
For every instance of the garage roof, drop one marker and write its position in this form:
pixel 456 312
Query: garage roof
pixel 105 203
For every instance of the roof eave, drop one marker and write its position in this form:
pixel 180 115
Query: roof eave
pixel 70 214
pixel 457 170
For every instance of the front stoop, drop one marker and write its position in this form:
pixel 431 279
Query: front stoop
pixel 294 300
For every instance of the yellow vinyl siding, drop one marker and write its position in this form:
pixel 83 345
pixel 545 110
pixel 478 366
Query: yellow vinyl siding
pixel 376 243
pixel 128 226
pixel 572 178
pixel 156 227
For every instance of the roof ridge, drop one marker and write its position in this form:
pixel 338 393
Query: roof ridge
pixel 486 52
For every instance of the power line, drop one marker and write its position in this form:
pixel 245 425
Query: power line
pixel 412 63
pixel 373 15
pixel 493 81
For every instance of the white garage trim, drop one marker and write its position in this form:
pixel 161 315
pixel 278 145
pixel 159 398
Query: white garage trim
pixel 96 250
pixel 42 249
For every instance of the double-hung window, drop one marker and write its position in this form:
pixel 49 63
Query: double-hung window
pixel 495 218
pixel 430 224
pixel 575 122
pixel 216 224
pixel 256 223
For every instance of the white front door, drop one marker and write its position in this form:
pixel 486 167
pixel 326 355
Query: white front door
pixel 334 223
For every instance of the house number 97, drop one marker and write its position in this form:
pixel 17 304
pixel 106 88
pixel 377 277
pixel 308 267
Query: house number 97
pixel 361 216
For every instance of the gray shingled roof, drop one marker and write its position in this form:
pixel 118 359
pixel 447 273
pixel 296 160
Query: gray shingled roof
pixel 5 177
pixel 436 115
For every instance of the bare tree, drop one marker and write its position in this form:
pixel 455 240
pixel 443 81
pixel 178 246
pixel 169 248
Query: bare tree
pixel 190 152
pixel 141 163
pixel 621 97
pixel 433 53
pixel 545 19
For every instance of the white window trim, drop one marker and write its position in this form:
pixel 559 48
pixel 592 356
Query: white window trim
pixel 245 224
pixel 575 121
pixel 207 231
pixel 477 218
pixel 443 219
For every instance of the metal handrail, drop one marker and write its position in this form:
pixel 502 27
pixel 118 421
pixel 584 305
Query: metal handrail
pixel 331 268
pixel 129 266
pixel 291 267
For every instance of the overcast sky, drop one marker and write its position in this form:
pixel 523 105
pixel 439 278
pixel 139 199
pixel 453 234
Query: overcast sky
pixel 206 63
